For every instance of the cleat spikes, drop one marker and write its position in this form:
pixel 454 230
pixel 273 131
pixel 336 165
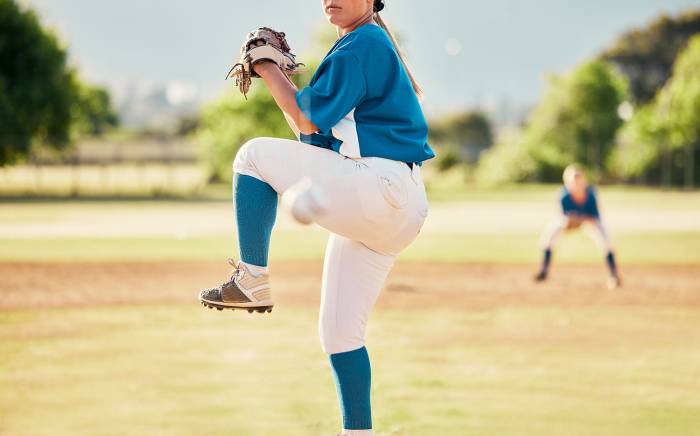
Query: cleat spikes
pixel 220 308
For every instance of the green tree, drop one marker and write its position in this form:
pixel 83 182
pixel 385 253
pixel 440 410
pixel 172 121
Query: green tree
pixel 93 110
pixel 229 122
pixel 646 55
pixel 507 161
pixel 576 121
pixel 666 133
pixel 37 89
pixel 638 150
pixel 467 134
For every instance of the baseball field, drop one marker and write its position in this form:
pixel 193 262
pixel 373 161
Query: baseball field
pixel 101 333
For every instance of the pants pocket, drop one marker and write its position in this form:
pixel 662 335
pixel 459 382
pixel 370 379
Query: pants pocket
pixel 382 195
pixel 393 189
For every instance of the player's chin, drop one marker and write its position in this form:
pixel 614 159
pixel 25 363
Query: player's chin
pixel 337 19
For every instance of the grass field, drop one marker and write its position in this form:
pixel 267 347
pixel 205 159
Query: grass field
pixel 100 333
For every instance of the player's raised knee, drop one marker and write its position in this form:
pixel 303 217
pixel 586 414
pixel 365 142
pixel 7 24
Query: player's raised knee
pixel 246 155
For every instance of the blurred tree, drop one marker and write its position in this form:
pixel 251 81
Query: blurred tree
pixel 666 133
pixel 465 134
pixel 638 147
pixel 448 157
pixel 37 89
pixel 507 161
pixel 94 113
pixel 576 121
pixel 228 123
pixel 225 125
pixel 646 55
pixel 186 125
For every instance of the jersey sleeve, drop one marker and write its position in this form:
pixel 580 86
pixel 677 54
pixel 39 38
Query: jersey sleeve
pixel 340 86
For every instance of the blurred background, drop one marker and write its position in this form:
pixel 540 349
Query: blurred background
pixel 117 134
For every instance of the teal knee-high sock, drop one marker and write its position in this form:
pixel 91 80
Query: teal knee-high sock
pixel 256 210
pixel 610 260
pixel 353 379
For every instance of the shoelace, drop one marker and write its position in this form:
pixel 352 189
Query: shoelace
pixel 235 274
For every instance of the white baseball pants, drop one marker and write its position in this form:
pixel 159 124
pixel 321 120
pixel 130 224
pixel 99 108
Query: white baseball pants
pixel 374 208
pixel 593 227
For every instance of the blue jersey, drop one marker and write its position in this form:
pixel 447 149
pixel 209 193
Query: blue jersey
pixel 588 208
pixel 363 103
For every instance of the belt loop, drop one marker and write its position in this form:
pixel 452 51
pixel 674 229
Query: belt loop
pixel 415 174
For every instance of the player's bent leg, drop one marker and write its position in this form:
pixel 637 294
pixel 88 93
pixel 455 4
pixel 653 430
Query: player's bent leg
pixel 377 201
pixel 255 204
pixel 353 276
pixel 547 241
pixel 599 232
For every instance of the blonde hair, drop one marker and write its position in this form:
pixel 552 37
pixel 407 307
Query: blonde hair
pixel 418 90
pixel 570 173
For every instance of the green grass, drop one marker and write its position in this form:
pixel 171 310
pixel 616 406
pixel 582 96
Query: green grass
pixel 502 225
pixel 452 186
pixel 114 180
pixel 513 370
pixel 641 248
pixel 180 370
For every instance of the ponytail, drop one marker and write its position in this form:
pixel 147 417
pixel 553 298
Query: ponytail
pixel 382 24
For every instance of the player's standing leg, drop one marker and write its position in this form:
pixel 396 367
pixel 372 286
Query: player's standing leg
pixel 353 276
pixel 547 242
pixel 600 233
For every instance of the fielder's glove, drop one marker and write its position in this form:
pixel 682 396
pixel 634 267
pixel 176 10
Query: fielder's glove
pixel 263 44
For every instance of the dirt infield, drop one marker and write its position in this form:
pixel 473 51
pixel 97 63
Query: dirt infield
pixel 410 286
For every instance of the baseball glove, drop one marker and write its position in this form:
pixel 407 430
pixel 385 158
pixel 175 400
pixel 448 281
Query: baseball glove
pixel 263 44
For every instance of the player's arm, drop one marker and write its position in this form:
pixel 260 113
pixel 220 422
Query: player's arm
pixel 284 93
pixel 292 126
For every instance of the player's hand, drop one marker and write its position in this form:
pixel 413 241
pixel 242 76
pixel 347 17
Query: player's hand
pixel 262 66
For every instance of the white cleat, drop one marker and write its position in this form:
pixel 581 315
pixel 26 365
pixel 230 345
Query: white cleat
pixel 614 282
pixel 242 291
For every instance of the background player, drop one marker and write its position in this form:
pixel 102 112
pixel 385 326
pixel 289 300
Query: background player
pixel 579 208
pixel 360 180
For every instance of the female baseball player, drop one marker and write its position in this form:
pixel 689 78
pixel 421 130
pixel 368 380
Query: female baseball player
pixel 355 171
pixel 579 207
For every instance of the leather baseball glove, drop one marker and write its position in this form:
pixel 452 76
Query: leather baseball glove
pixel 263 44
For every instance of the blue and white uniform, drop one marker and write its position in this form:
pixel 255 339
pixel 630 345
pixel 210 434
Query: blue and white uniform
pixel 363 103
pixel 589 208
pixel 575 214
pixel 352 176
pixel 355 175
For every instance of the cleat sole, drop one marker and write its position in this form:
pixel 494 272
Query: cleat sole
pixel 259 309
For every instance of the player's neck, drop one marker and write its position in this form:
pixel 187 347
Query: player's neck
pixel 367 18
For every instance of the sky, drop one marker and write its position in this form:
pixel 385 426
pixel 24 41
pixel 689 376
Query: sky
pixel 464 53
